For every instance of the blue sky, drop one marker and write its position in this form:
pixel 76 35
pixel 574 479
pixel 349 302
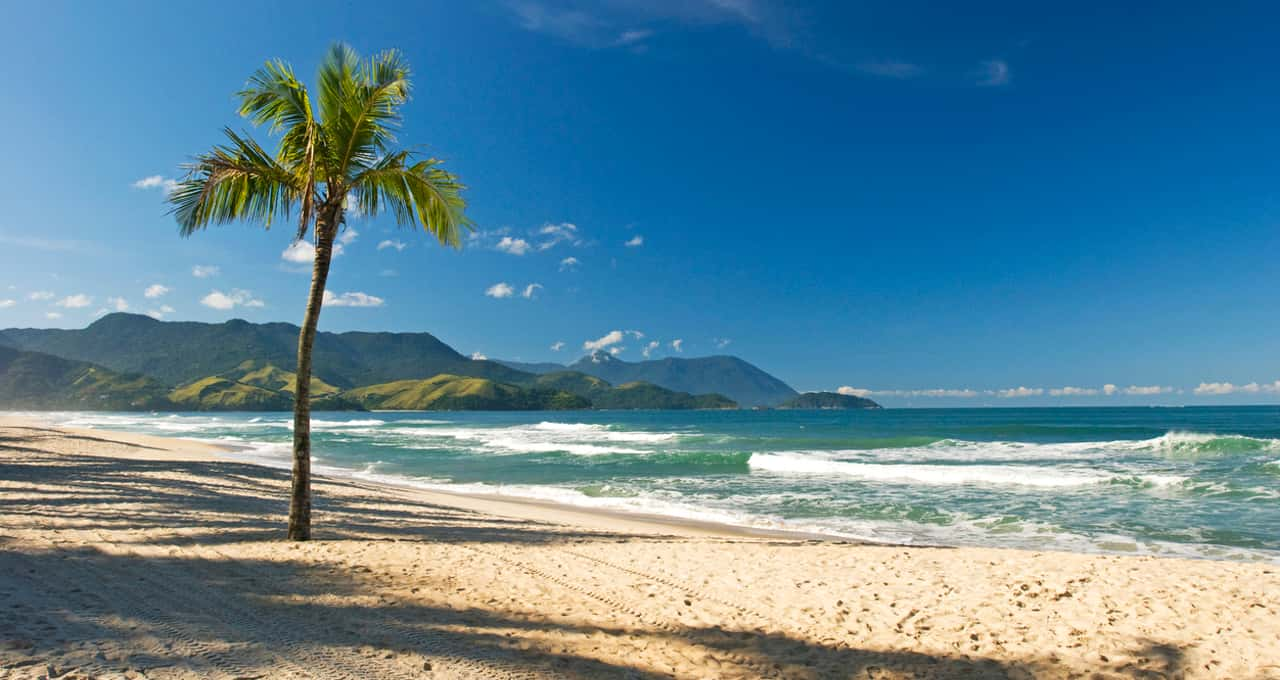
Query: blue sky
pixel 902 198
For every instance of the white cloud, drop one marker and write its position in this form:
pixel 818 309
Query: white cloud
pixel 348 236
pixel 204 271
pixel 118 303
pixel 721 343
pixel 160 313
pixel 513 246
pixel 75 301
pixel 300 252
pixel 157 182
pixel 555 234
pixel 635 242
pixel 648 349
pixel 1109 389
pixel 1147 390
pixel 900 70
pixel 853 391
pixel 1073 391
pixel 531 290
pixel 52 315
pixel 397 244
pixel 155 290
pixel 500 290
pixel 677 344
pixel 236 298
pixel 569 264
pixel 303 252
pixel 635 334
pixel 1219 388
pixel 1019 392
pixel 935 393
pixel 352 299
pixel 610 338
pixel 7 303
pixel 41 295
pixel 557 346
pixel 617 349
pixel 477 356
pixel 993 73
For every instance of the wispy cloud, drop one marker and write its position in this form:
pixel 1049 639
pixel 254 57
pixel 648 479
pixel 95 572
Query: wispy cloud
pixel 677 345
pixel 1073 391
pixel 348 236
pixel 41 295
pixel 500 290
pixel 569 264
pixel 554 234
pixel 479 356
pixel 53 315
pixel 721 343
pixel 352 299
pixel 1145 390
pixel 888 68
pixel 389 243
pixel 155 290
pixel 204 271
pixel 160 312
pixel 531 290
pixel 119 304
pixel 993 73
pixel 165 184
pixel 77 301
pixel 236 298
pixel 635 242
pixel 7 303
pixel 649 348
pixel 557 346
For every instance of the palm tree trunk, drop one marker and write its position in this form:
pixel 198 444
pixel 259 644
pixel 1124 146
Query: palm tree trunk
pixel 300 500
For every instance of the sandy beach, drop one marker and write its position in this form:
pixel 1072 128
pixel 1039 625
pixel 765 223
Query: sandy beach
pixel 140 557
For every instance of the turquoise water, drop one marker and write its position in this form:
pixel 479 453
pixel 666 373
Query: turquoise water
pixel 1200 482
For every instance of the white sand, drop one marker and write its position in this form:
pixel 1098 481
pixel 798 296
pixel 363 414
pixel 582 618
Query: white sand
pixel 131 556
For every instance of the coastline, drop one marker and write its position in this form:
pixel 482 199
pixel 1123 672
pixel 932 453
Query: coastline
pixel 191 578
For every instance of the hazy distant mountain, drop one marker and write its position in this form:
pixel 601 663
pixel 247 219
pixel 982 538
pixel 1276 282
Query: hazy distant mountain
pixel 730 376
pixel 828 400
pixel 240 365
pixel 177 352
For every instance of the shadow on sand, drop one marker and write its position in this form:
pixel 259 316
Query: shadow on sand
pixel 73 604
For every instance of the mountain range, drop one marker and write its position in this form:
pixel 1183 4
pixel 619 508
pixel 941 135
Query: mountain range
pixel 141 362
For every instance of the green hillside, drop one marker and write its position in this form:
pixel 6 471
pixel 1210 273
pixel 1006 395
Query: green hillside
pixel 269 376
pixel 178 352
pixel 828 400
pixel 41 381
pixel 221 394
pixel 459 393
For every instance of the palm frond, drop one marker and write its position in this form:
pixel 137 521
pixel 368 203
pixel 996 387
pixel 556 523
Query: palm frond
pixel 362 112
pixel 419 194
pixel 274 97
pixel 235 181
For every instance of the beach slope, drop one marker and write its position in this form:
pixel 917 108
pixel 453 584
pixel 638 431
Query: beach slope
pixel 141 557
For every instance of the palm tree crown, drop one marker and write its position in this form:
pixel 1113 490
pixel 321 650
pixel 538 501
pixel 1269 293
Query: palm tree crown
pixel 339 158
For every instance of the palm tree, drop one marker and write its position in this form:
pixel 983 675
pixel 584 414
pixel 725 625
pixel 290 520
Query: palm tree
pixel 338 155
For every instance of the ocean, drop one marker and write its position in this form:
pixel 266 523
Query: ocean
pixel 1192 482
